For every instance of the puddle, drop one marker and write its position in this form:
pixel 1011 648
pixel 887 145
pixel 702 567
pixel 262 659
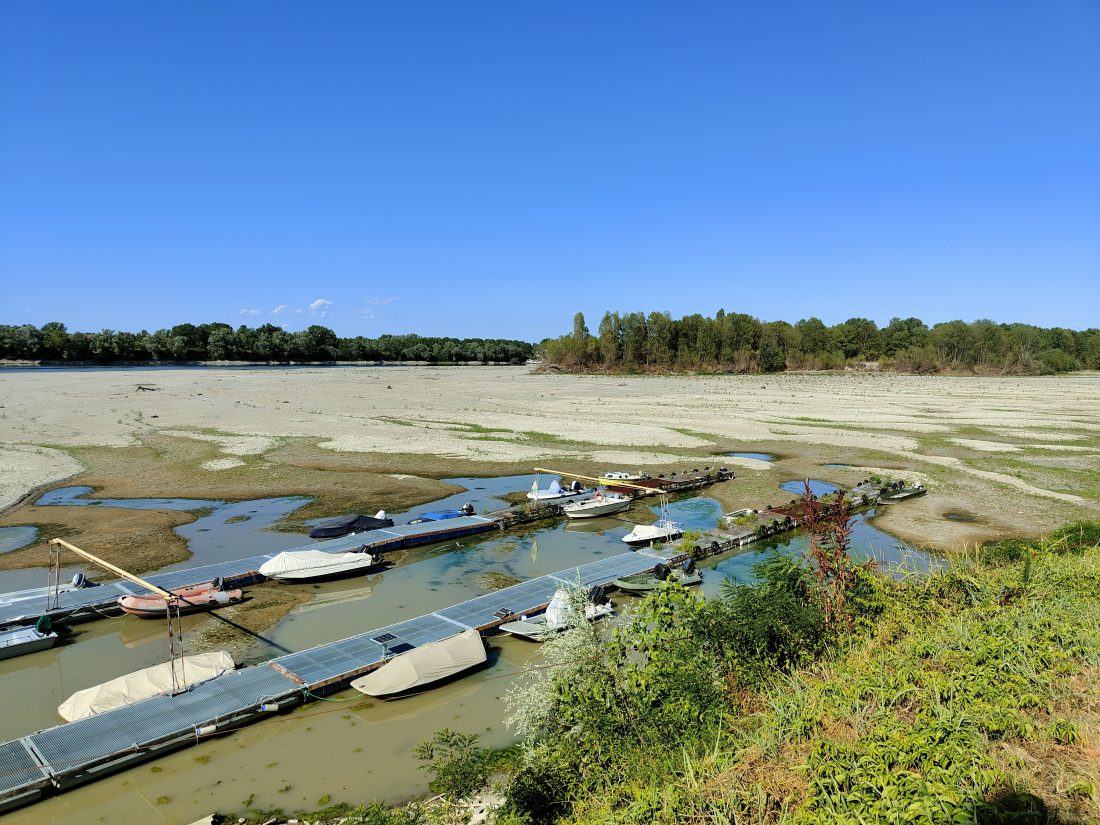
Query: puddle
pixel 960 515
pixel 817 487
pixel 13 538
pixel 76 496
pixel 757 456
pixel 837 466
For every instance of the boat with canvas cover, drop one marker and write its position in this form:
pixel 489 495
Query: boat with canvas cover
pixel 686 575
pixel 144 684
pixel 601 504
pixel 424 666
pixel 558 615
pixel 316 565
pixel 191 600
pixel 643 534
pixel 334 528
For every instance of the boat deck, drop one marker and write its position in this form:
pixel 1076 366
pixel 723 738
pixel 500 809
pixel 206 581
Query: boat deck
pixel 81 751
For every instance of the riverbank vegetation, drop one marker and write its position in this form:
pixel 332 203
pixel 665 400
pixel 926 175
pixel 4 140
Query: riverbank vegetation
pixel 735 342
pixel 823 693
pixel 190 343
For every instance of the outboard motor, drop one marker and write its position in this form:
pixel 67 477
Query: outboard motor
pixel 82 582
pixel 689 566
pixel 219 583
pixel 576 486
pixel 380 515
pixel 598 595
pixel 468 508
pixel 661 571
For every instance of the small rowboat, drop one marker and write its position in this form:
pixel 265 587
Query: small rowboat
pixel 646 582
pixel 191 600
pixel 901 494
pixel 20 640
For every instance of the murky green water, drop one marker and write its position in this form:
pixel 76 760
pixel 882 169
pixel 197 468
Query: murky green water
pixel 352 750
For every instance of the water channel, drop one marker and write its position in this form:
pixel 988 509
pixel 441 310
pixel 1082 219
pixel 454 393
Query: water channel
pixel 350 748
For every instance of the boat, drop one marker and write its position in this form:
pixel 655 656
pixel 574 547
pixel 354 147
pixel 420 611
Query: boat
pixel 144 684
pixel 191 600
pixel 334 528
pixel 663 530
pixel 555 492
pixel 645 582
pixel 443 515
pixel 21 640
pixel 901 493
pixel 557 616
pixel 620 476
pixel 601 504
pixel 316 565
pixel 423 666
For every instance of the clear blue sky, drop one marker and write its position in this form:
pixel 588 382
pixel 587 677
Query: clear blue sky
pixel 490 168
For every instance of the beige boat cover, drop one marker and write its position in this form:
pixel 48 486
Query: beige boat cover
pixel 143 684
pixel 424 665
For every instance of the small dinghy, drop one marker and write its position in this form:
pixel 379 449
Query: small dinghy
pixel 191 600
pixel 645 582
pixel 144 684
pixel 334 528
pixel 443 515
pixel 21 640
pixel 557 615
pixel 644 534
pixel 601 504
pixel 317 565
pixel 423 666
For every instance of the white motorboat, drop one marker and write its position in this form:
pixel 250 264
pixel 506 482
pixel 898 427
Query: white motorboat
pixel 555 492
pixel 601 504
pixel 314 565
pixel 620 476
pixel 558 615
pixel 663 530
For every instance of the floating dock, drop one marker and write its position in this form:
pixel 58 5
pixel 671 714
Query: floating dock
pixel 71 754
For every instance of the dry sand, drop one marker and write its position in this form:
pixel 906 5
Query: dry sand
pixel 986 445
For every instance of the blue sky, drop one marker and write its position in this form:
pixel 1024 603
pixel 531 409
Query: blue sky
pixel 490 168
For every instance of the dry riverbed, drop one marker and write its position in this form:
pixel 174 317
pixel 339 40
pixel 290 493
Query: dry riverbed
pixel 1002 455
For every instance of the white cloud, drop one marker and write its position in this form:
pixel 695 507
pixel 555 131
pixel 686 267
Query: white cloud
pixel 320 307
pixel 380 301
pixel 279 310
pixel 250 312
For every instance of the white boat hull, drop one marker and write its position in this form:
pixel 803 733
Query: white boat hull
pixel 644 534
pixel 594 508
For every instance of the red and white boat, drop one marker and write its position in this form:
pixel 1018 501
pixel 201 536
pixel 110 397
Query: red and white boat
pixel 191 600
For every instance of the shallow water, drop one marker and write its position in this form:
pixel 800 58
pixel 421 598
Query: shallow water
pixel 817 487
pixel 352 750
pixel 757 456
pixel 13 538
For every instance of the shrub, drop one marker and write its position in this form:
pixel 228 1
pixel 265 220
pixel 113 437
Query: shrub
pixel 459 767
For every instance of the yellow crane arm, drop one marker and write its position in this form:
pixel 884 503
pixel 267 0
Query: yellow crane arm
pixel 118 571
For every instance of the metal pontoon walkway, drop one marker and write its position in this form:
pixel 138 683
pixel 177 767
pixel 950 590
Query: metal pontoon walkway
pixel 81 751
pixel 26 606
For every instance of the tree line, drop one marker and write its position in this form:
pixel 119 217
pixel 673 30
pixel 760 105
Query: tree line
pixel 185 343
pixel 736 342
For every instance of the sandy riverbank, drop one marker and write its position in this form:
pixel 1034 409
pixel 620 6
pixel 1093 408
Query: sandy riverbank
pixel 1017 454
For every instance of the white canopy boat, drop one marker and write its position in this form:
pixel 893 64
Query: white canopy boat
pixel 313 565
pixel 620 476
pixel 144 684
pixel 663 530
pixel 555 492
pixel 558 615
pixel 425 665
pixel 601 504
